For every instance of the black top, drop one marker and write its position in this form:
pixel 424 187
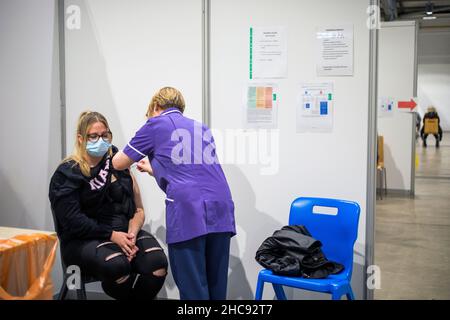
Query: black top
pixel 91 207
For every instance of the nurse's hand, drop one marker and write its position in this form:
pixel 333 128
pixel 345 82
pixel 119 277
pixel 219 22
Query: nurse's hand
pixel 145 166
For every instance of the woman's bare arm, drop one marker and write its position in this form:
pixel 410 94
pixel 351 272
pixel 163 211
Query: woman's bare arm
pixel 137 222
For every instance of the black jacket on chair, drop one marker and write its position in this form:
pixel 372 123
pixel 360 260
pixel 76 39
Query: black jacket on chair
pixel 292 251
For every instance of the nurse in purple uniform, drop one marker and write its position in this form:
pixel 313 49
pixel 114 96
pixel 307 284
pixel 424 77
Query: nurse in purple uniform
pixel 199 208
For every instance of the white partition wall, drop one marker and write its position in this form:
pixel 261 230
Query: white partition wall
pixel 29 98
pixel 30 120
pixel 397 79
pixel 121 54
pixel 125 50
pixel 332 165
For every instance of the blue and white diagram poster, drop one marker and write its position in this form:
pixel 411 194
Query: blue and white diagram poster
pixel 315 107
pixel 385 107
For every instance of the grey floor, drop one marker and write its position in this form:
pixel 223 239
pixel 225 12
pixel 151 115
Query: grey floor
pixel 412 238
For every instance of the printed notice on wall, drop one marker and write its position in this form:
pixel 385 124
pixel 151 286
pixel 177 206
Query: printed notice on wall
pixel 268 52
pixel 315 107
pixel 385 107
pixel 261 106
pixel 335 46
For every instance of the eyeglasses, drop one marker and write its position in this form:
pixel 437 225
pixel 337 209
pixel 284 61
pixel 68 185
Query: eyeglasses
pixel 107 137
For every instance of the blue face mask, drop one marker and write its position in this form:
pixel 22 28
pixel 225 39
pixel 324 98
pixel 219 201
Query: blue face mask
pixel 97 149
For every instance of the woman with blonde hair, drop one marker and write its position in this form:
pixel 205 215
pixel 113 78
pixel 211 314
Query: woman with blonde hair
pixel 99 215
pixel 199 207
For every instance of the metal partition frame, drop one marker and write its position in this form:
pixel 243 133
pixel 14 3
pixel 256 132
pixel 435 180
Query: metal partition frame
pixel 371 155
pixel 62 74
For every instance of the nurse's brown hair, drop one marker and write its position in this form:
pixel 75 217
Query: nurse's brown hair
pixel 165 98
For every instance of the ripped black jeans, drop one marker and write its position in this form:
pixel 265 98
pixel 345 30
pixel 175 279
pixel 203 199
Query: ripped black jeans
pixel 141 279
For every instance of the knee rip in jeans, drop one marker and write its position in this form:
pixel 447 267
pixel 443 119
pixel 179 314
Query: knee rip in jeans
pixel 104 244
pixel 162 272
pixel 122 279
pixel 144 237
pixel 111 256
pixel 153 249
pixel 135 280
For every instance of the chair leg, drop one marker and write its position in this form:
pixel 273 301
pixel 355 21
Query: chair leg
pixel 279 292
pixel 336 295
pixel 385 181
pixel 83 289
pixel 63 291
pixel 350 295
pixel 81 293
pixel 379 186
pixel 259 290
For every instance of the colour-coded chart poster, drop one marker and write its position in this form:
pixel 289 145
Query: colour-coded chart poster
pixel 261 106
pixel 260 97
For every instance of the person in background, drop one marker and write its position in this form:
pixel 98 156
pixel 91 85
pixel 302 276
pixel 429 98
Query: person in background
pixel 431 114
pixel 199 207
pixel 99 216
pixel 418 121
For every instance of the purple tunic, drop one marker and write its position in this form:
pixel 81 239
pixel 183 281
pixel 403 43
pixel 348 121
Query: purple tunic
pixel 182 155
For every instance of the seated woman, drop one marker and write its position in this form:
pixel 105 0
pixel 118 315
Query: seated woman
pixel 99 215
pixel 431 114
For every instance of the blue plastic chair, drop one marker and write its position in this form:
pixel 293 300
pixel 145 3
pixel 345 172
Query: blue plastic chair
pixel 337 233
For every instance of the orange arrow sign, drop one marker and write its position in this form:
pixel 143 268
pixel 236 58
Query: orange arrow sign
pixel 407 104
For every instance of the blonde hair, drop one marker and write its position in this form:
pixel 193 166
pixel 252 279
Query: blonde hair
pixel 165 98
pixel 431 109
pixel 85 122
